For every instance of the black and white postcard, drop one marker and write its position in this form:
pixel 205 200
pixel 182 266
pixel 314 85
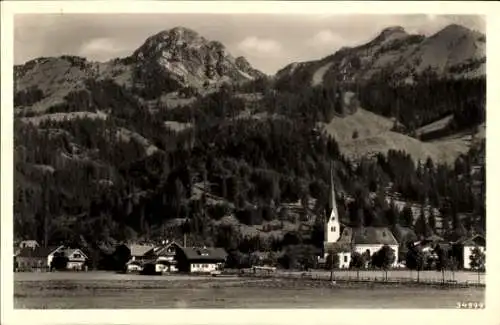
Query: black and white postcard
pixel 240 162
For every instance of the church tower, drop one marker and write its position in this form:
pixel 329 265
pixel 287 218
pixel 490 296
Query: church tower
pixel 332 223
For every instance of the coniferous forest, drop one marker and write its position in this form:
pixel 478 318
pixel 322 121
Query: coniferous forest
pixel 79 182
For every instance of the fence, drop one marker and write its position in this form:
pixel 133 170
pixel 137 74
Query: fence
pixel 391 276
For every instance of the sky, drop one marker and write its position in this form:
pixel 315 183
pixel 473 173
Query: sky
pixel 268 41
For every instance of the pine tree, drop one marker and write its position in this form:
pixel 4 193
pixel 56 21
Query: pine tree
pixel 432 219
pixel 407 216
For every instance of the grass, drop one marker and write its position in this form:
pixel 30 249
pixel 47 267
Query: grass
pixel 375 135
pixel 108 290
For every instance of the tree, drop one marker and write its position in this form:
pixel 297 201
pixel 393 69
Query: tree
pixel 384 258
pixel 59 261
pixel 477 259
pixel 299 256
pixel 432 220
pixel 367 258
pixel 443 261
pixel 392 214
pixel 415 259
pixel 121 256
pixel 407 216
pixel 332 261
pixel 357 262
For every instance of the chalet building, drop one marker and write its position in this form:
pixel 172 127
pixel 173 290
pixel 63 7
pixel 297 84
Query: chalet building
pixel 201 260
pixel 36 259
pixel 166 260
pixel 465 246
pixel 29 243
pixel 140 256
pixel 141 252
pixel 362 240
pixel 77 260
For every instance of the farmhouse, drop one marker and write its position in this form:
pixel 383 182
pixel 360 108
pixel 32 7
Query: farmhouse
pixel 141 252
pixel 166 257
pixel 201 260
pixel 140 255
pixel 466 246
pixel 39 258
pixel 76 259
pixel 29 243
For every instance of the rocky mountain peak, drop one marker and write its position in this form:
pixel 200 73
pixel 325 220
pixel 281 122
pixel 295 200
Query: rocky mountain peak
pixel 190 59
pixel 242 63
pixel 390 33
pixel 392 29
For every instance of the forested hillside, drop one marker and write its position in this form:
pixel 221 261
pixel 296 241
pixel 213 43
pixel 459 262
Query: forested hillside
pixel 248 170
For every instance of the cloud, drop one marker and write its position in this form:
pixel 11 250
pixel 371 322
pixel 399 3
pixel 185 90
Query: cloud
pixel 259 46
pixel 326 38
pixel 98 48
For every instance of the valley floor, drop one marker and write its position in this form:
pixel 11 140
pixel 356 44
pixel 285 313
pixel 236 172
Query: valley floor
pixel 108 290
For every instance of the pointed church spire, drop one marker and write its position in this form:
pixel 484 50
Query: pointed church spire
pixel 333 201
pixel 332 223
pixel 332 188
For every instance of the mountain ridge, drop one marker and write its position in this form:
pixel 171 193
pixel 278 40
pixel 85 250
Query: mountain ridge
pixel 394 51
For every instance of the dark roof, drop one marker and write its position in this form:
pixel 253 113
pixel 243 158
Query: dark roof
pixel 140 250
pixel 163 250
pixel 476 240
pixel 434 238
pixel 404 234
pixel 338 247
pixel 40 252
pixel 193 253
pixel 368 235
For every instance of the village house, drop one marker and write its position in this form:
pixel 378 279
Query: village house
pixel 141 252
pixel 465 247
pixel 140 255
pixel 29 243
pixel 166 257
pixel 76 259
pixel 36 259
pixel 201 260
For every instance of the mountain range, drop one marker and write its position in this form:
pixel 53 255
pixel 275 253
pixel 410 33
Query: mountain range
pixel 453 52
pixel 133 136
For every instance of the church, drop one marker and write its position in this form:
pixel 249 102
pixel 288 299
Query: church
pixel 344 240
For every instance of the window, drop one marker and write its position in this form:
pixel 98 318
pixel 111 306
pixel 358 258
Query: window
pixel 332 229
pixel 333 218
pixel 77 255
pixel 345 258
pixel 383 234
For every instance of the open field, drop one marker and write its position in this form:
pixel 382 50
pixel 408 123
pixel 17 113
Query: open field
pixel 109 290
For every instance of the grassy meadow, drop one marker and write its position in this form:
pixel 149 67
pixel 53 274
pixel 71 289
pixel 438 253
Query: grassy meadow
pixel 107 290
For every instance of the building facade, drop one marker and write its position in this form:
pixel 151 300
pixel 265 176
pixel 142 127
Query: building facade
pixel 201 260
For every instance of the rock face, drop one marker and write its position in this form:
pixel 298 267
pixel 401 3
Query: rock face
pixel 453 52
pixel 166 62
pixel 191 60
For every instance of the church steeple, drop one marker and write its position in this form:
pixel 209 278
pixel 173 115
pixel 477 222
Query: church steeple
pixel 332 224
